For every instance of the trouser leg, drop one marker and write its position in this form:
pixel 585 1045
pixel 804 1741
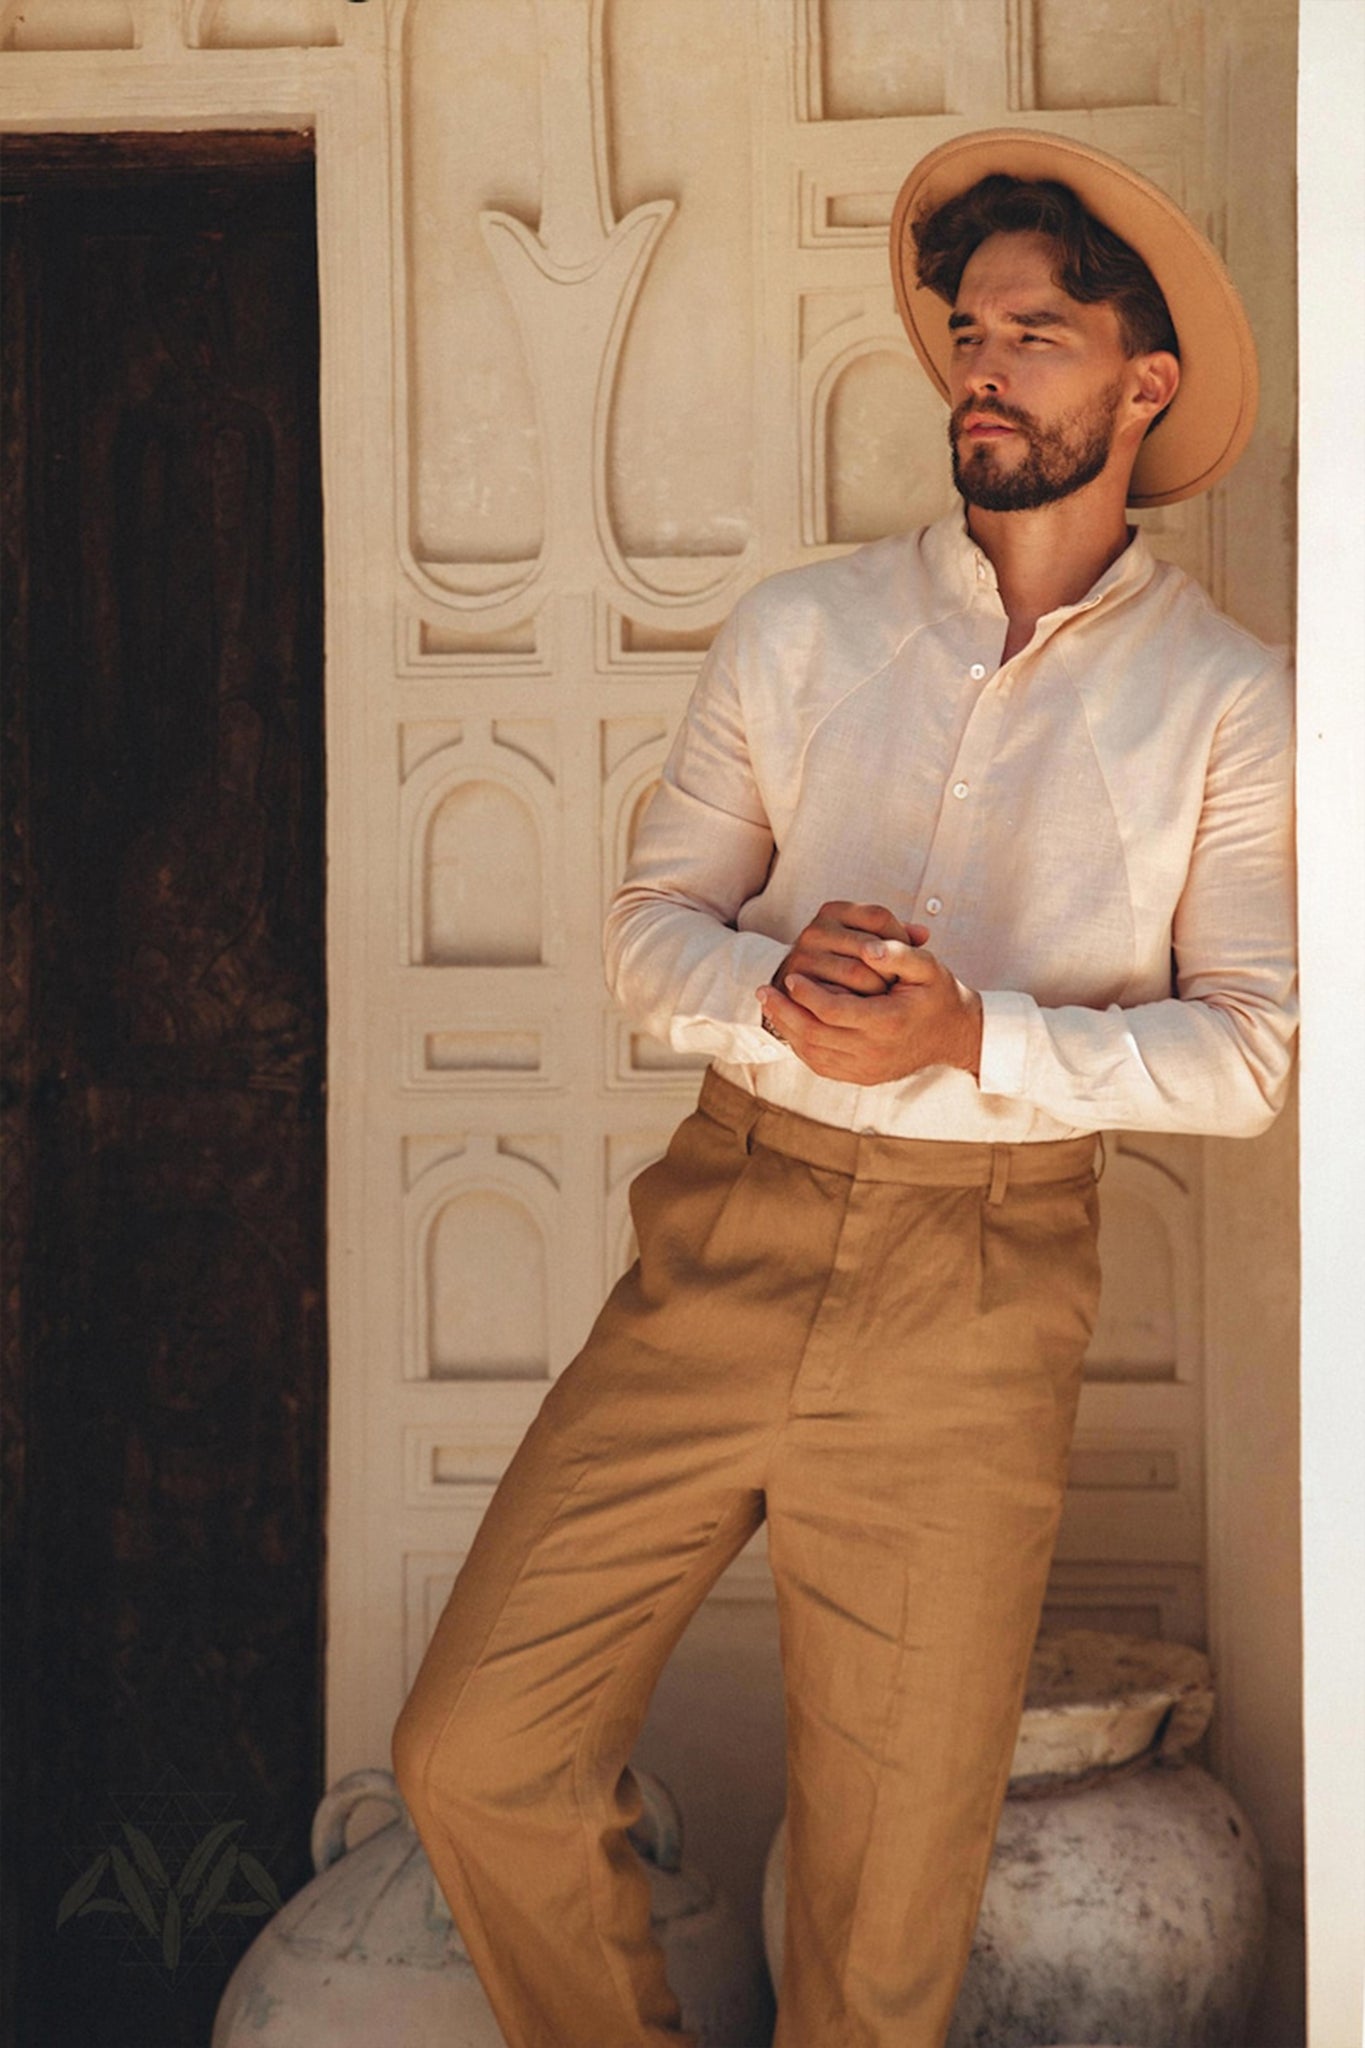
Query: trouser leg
pixel 634 1487
pixel 912 1503
pixel 513 1749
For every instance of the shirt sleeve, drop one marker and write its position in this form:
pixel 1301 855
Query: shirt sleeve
pixel 1214 1057
pixel 674 960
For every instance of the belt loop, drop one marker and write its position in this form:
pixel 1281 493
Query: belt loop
pixel 1103 1159
pixel 753 1109
pixel 1000 1173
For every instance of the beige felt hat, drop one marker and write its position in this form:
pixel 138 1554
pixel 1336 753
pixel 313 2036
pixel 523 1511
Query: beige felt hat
pixel 1214 410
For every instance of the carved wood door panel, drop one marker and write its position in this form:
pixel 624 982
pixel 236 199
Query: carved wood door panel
pixel 164 1019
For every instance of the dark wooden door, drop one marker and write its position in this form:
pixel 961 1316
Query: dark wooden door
pixel 163 1018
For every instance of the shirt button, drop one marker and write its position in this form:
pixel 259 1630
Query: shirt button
pixel 959 789
pixel 977 671
pixel 933 905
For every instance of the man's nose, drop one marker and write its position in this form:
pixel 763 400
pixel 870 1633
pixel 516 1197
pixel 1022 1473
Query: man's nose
pixel 985 373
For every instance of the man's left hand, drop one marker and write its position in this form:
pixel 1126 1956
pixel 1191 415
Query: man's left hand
pixel 927 1018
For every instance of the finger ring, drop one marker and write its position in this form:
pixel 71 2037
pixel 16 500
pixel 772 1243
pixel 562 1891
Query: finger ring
pixel 772 1030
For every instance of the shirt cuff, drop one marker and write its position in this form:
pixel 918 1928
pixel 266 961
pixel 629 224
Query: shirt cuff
pixel 1006 1019
pixel 731 1027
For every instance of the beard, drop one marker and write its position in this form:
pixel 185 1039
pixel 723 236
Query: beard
pixel 1058 459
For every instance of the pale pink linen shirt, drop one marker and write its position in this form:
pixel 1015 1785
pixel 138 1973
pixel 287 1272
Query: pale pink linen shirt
pixel 1098 835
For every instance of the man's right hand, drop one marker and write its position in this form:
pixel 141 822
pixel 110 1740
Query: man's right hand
pixel 828 949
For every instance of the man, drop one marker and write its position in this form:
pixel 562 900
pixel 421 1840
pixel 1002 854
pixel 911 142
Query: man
pixel 1038 789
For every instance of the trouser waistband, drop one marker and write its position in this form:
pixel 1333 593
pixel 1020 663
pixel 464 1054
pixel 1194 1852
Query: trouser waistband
pixel 927 1162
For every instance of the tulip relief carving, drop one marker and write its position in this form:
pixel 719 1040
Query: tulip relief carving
pixel 573 285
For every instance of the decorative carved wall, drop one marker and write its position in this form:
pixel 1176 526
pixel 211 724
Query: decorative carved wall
pixel 648 351
pixel 616 338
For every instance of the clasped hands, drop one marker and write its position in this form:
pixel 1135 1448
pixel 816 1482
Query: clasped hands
pixel 860 998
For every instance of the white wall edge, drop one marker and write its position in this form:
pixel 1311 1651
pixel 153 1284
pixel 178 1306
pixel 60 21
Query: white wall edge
pixel 1331 654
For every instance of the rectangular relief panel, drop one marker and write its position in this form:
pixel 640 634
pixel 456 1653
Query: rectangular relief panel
pixel 261 24
pixel 680 445
pixel 457 1462
pixel 1125 1468
pixel 477 1052
pixel 1101 54
pixel 482 1052
pixel 635 1060
pixel 58 25
pixel 431 648
pixel 839 213
pixel 1134 1495
pixel 472 142
pixel 642 646
pixel 876 59
pixel 1125 1599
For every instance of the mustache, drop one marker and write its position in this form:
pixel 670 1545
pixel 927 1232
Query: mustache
pixel 990 409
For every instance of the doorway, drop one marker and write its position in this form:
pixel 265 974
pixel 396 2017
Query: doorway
pixel 163 1038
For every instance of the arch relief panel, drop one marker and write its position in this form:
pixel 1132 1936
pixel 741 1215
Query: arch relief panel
pixel 484 883
pixel 481 830
pixel 626 791
pixel 873 427
pixel 481 1230
pixel 486 1290
pixel 627 1154
pixel 633 752
pixel 1148 1329
pixel 882 472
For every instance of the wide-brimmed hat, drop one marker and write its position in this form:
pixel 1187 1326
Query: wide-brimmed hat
pixel 1211 417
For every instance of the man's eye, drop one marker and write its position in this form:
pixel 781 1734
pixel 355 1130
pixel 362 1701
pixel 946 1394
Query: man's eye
pixel 1043 338
pixel 965 340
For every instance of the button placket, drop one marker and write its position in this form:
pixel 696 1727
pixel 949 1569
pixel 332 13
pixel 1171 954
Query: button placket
pixel 943 868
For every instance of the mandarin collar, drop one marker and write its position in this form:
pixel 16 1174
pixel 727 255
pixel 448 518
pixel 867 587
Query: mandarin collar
pixel 962 568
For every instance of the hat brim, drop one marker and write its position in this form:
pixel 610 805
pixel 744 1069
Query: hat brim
pixel 1214 410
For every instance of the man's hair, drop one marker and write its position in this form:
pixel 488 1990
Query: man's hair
pixel 1093 263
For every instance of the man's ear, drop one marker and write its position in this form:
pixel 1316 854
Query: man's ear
pixel 1157 381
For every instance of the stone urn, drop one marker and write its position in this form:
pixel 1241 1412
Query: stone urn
pixel 1125 1901
pixel 367 1952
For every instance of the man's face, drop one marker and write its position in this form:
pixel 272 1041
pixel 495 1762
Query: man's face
pixel 1036 380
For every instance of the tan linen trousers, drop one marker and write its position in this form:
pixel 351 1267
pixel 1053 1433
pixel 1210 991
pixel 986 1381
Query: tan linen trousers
pixel 876 1343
